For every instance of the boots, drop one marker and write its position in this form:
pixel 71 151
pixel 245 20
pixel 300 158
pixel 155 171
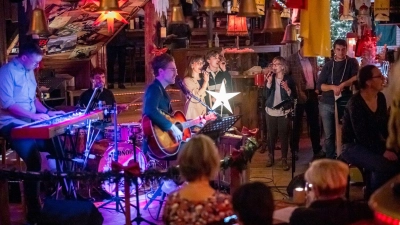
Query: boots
pixel 285 165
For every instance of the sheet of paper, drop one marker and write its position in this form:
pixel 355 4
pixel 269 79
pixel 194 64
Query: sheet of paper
pixel 59 21
pixel 284 214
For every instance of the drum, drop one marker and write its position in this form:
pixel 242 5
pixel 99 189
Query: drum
pixel 78 138
pixel 129 129
pixel 125 154
pixel 109 133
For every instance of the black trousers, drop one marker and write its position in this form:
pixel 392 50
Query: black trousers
pixel 312 112
pixel 114 52
pixel 278 126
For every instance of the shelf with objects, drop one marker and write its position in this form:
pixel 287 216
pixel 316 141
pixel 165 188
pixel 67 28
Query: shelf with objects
pixel 77 44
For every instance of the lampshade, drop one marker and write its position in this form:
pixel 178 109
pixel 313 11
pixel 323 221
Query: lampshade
pixel 109 5
pixel 177 14
pixel 290 35
pixel 248 8
pixel 273 21
pixel 237 26
pixel 38 23
pixel 212 5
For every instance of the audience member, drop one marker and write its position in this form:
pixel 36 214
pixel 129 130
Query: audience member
pixel 197 202
pixel 196 81
pixel 365 129
pixel 326 184
pixel 253 204
pixel 336 76
pixel 279 92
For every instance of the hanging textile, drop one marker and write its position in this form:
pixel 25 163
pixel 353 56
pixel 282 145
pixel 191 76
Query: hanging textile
pixel 315 28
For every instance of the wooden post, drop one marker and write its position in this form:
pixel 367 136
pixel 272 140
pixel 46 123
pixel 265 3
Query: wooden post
pixel 150 38
pixel 24 19
pixel 3 44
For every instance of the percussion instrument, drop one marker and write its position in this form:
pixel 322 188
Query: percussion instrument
pixel 124 132
pixel 125 154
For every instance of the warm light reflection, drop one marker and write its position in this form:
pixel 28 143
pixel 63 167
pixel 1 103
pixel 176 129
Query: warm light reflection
pixel 110 16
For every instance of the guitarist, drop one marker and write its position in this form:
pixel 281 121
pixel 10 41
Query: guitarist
pixel 156 99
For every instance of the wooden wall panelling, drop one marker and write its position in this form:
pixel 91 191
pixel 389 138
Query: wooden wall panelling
pixel 80 69
pixel 150 22
pixel 6 5
pixel 3 44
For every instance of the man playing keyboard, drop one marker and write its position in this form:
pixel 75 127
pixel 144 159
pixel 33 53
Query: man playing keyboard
pixel 18 106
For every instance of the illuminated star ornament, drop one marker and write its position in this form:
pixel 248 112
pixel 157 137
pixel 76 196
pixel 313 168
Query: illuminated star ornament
pixel 110 10
pixel 222 98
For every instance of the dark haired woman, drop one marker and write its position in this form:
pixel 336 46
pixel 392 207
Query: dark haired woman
pixel 365 129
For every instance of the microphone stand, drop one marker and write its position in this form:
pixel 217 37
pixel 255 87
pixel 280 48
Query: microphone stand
pixel 95 95
pixel 292 138
pixel 117 199
pixel 189 95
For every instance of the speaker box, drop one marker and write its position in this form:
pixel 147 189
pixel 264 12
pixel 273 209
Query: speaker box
pixel 67 212
pixel 297 181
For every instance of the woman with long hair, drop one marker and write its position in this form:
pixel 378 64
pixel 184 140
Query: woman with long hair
pixel 279 92
pixel 196 81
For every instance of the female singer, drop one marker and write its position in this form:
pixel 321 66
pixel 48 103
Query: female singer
pixel 279 92
pixel 197 85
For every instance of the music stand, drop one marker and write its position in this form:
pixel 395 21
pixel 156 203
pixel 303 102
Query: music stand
pixel 215 128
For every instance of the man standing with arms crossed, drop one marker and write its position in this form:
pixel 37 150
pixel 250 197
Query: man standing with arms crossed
pixel 336 77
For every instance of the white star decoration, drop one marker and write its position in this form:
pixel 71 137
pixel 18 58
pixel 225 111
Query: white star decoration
pixel 222 98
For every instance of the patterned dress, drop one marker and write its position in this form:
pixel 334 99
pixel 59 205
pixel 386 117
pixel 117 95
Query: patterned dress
pixel 180 211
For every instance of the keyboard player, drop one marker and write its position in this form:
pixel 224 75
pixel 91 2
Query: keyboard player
pixel 18 106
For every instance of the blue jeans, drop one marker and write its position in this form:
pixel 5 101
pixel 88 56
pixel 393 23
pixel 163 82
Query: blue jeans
pixel 381 168
pixel 327 113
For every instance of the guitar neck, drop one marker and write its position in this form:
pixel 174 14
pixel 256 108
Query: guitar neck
pixel 190 123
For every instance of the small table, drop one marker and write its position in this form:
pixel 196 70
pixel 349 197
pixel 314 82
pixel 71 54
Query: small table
pixel 71 92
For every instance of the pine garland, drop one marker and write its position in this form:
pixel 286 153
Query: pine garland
pixel 241 158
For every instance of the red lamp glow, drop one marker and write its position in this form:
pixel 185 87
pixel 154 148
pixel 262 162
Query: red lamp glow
pixel 237 26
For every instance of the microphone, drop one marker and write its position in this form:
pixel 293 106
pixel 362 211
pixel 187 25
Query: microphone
pixel 181 86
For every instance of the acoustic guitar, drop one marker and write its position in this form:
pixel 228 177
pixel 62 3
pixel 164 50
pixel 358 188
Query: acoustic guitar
pixel 162 144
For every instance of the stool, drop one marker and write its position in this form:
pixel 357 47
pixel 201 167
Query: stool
pixel 3 146
pixel 366 175
pixel 4 200
pixel 159 191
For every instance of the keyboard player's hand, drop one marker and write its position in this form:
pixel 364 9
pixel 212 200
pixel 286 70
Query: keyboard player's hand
pixel 40 116
pixel 55 113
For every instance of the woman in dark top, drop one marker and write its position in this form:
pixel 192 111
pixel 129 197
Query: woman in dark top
pixel 279 92
pixel 365 130
pixel 326 184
